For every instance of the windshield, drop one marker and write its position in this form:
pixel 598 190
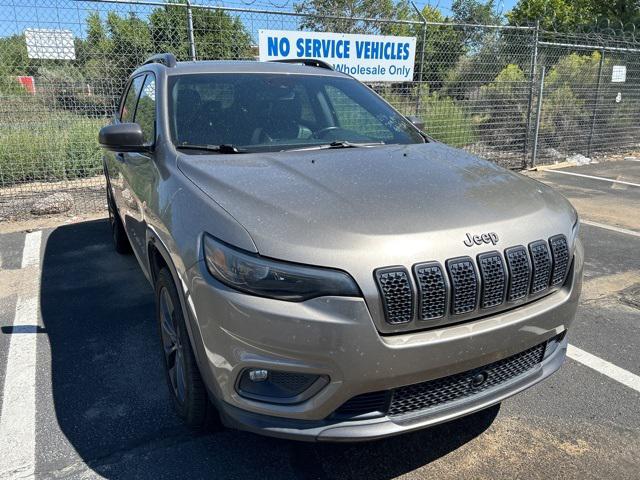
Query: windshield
pixel 270 112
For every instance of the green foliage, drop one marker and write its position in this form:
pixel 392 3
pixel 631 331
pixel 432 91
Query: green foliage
pixel 567 110
pixel 475 12
pixel 442 45
pixel 446 121
pixel 575 68
pixel 70 151
pixel 217 34
pixel 570 14
pixel 13 56
pixel 317 9
pixel 505 103
pixel 563 117
pixel 119 44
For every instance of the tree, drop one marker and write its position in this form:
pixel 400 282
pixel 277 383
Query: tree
pixel 217 34
pixel 317 12
pixel 474 12
pixel 553 14
pixel 443 46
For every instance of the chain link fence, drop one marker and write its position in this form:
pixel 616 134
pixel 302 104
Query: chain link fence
pixel 515 95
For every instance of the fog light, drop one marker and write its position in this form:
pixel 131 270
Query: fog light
pixel 256 375
pixel 275 386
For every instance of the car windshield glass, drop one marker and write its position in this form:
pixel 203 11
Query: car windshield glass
pixel 271 112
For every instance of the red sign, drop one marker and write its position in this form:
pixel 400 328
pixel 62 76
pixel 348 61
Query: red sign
pixel 28 84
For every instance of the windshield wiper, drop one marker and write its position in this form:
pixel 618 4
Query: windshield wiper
pixel 222 148
pixel 341 144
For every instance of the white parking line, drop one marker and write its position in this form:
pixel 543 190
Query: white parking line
pixel 618 374
pixel 18 416
pixel 31 252
pixel 610 227
pixel 621 182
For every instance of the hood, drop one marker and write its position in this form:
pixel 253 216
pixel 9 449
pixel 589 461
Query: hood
pixel 370 207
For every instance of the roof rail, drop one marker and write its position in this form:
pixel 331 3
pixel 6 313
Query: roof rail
pixel 309 62
pixel 166 59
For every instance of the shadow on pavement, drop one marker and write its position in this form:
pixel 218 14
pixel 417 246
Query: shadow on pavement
pixel 111 401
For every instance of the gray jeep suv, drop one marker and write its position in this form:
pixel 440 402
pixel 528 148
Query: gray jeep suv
pixel 323 270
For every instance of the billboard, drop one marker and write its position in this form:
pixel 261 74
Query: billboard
pixel 50 44
pixel 373 58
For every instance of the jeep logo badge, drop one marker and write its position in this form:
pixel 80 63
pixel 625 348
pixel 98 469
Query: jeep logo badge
pixel 480 239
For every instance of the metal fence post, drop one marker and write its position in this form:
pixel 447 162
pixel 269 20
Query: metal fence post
pixel 192 40
pixel 595 106
pixel 532 82
pixel 534 154
pixel 420 70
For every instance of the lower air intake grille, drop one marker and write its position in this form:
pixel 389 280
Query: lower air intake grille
pixel 441 391
pixel 541 261
pixel 464 283
pixel 519 272
pixel 367 403
pixel 494 279
pixel 432 290
pixel 560 255
pixel 397 294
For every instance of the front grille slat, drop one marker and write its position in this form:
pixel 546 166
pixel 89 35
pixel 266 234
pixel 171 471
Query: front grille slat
pixel 494 279
pixel 464 285
pixel 560 256
pixel 541 263
pixel 397 294
pixel 519 272
pixel 442 391
pixel 432 290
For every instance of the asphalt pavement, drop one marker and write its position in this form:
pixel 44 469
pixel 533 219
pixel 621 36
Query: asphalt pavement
pixel 100 406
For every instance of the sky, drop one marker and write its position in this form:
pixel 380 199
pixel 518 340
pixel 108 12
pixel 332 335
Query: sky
pixel 17 15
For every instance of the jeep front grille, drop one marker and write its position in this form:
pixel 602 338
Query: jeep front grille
pixel 466 285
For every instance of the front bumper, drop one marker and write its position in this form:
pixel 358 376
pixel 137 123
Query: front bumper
pixel 336 337
pixel 371 429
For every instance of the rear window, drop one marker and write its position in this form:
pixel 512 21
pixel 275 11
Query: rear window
pixel 278 112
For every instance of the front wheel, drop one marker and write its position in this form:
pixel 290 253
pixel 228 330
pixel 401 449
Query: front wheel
pixel 186 387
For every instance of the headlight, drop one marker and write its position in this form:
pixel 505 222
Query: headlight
pixel 264 277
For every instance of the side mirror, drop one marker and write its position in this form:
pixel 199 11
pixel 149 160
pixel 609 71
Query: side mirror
pixel 122 137
pixel 417 122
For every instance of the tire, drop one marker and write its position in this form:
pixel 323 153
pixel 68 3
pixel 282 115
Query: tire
pixel 186 387
pixel 118 233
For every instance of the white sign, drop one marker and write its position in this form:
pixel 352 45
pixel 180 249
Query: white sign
pixel 619 74
pixel 374 58
pixel 50 44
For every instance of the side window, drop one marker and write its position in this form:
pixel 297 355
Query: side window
pixel 129 105
pixel 146 111
pixel 353 116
